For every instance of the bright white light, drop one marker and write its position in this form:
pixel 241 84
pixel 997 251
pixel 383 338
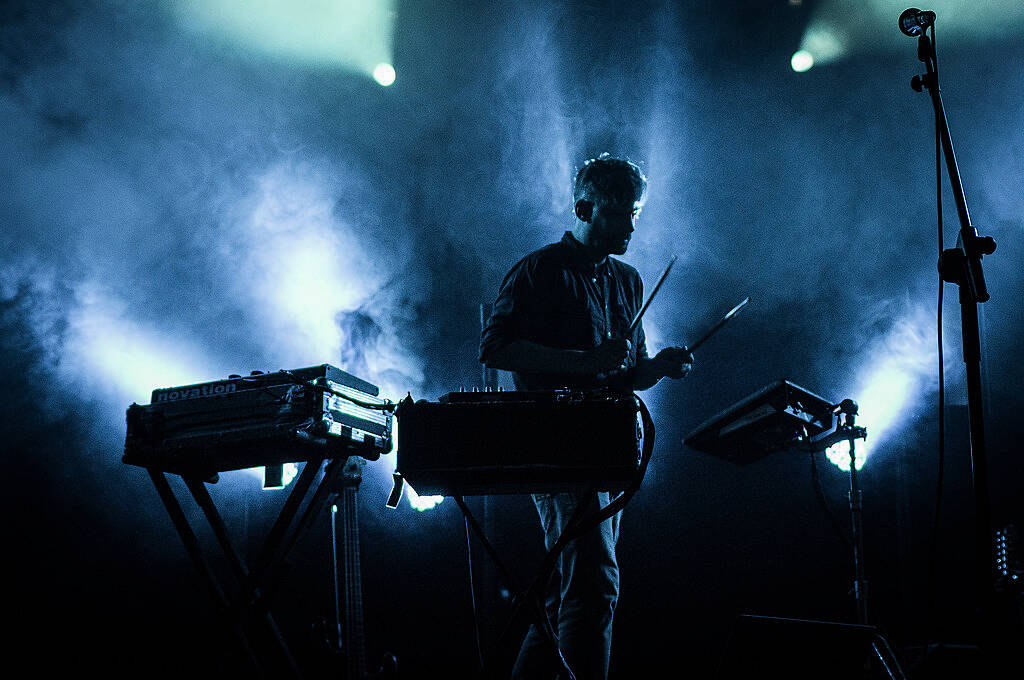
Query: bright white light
pixel 384 74
pixel 802 61
pixel 288 473
pixel 899 368
pixel 298 266
pixel 129 358
pixel 421 503
pixel 416 501
pixel 839 454
pixel 302 268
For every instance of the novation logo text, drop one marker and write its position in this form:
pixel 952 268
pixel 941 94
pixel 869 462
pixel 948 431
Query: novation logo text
pixel 196 392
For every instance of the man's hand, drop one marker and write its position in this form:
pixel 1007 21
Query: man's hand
pixel 673 362
pixel 610 355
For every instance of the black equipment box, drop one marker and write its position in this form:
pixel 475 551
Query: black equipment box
pixel 256 420
pixel 481 443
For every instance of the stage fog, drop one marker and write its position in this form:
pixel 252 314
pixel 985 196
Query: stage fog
pixel 191 191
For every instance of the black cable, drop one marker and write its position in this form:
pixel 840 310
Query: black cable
pixel 933 547
pixel 278 399
pixel 578 524
pixel 388 405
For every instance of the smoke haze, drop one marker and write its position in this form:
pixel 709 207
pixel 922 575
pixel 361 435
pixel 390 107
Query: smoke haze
pixel 177 208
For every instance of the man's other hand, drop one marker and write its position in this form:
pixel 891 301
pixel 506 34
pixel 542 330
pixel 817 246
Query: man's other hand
pixel 673 362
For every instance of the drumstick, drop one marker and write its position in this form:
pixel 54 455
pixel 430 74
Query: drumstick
pixel 636 319
pixel 729 315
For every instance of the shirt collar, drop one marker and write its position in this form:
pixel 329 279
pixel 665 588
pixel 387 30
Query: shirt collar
pixel 580 259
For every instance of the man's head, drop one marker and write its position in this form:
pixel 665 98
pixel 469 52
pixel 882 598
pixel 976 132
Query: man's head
pixel 607 198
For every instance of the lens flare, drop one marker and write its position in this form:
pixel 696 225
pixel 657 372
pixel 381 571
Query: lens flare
pixel 384 74
pixel 802 61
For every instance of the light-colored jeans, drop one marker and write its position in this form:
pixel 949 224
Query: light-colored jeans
pixel 582 593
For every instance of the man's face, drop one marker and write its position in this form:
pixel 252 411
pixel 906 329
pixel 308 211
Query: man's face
pixel 612 225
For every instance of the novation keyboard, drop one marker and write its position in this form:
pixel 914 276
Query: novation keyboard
pixel 258 420
pixel 482 443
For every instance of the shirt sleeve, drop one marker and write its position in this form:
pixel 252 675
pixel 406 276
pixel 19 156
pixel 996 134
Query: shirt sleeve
pixel 511 315
pixel 641 337
pixel 641 342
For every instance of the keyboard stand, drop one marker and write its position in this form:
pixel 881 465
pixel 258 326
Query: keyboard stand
pixel 255 585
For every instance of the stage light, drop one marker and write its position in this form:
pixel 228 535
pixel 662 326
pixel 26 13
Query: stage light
pixel 839 455
pixel 277 476
pixel 421 503
pixel 898 375
pixel 384 74
pixel 416 501
pixel 802 61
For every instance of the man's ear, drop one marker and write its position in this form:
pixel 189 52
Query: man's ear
pixel 584 210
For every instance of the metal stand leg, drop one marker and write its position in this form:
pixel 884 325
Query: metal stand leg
pixel 202 498
pixel 195 551
pixel 252 604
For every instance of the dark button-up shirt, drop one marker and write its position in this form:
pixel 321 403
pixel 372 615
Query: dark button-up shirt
pixel 557 297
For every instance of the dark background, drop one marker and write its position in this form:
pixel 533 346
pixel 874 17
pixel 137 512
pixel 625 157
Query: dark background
pixel 176 208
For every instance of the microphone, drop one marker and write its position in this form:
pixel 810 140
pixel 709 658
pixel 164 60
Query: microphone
pixel 913 21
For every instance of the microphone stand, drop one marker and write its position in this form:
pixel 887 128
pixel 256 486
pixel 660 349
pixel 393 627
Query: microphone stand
pixel 962 265
pixel 847 430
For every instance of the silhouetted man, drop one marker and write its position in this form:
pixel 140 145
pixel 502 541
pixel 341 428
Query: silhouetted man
pixel 562 319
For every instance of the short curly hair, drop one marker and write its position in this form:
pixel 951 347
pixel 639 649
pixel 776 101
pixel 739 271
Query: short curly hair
pixel 610 179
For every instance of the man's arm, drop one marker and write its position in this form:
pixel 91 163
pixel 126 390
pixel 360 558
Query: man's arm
pixel 525 356
pixel 671 362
